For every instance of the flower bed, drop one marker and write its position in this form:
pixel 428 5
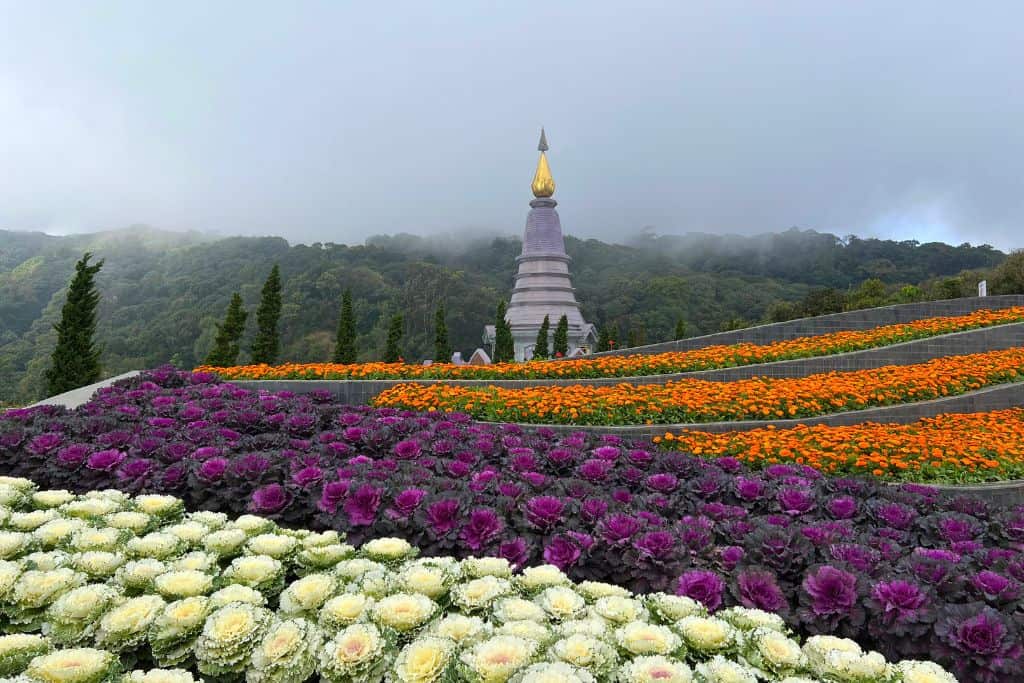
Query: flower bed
pixel 711 357
pixel 106 578
pixel 690 400
pixel 896 568
pixel 950 448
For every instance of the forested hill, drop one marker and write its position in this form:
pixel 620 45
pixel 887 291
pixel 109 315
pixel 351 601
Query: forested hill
pixel 163 292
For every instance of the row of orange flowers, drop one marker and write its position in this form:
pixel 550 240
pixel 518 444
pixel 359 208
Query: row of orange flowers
pixel 948 448
pixel 691 400
pixel 710 357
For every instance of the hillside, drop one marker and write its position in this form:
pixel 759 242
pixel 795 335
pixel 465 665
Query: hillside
pixel 164 291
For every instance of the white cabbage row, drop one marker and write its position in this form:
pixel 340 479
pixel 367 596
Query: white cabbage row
pixel 87 582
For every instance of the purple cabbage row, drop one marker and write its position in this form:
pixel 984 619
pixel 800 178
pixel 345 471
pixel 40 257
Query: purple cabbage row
pixel 897 568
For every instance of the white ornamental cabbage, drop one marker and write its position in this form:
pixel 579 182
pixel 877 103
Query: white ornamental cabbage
pixel 655 669
pixel 278 546
pixel 357 653
pixel 260 572
pixel 718 669
pixel 642 638
pixel 424 660
pixel 78 665
pixel 478 594
pixel 553 672
pixel 388 550
pixel 595 655
pixel 228 638
pixel 18 649
pixel 235 592
pixel 159 676
pixel 496 659
pixel 137 523
pixel 173 633
pixel 73 618
pixel 403 612
pixel 183 583
pixel 344 610
pixel 669 609
pixel 287 653
pixel 307 595
pixel 460 629
pixel 127 624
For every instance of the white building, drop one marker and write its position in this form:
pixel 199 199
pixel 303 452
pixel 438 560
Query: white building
pixel 542 285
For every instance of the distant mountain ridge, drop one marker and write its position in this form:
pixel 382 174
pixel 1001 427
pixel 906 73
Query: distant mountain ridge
pixel 163 291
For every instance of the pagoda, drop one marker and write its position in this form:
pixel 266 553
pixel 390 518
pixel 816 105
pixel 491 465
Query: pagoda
pixel 542 285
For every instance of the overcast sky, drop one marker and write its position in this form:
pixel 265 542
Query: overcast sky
pixel 337 120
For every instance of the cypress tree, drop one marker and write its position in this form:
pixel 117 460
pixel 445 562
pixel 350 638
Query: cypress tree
pixel 224 353
pixel 680 329
pixel 76 359
pixel 504 344
pixel 267 343
pixel 560 347
pixel 345 343
pixel 393 351
pixel 604 339
pixel 616 340
pixel 540 347
pixel 442 347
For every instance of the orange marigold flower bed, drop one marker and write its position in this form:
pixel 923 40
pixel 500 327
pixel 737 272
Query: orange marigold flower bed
pixel 708 358
pixel 692 400
pixel 952 448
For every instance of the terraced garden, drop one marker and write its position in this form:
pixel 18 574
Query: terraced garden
pixel 284 535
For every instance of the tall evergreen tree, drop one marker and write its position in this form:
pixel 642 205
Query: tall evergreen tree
pixel 345 343
pixel 442 347
pixel 393 351
pixel 540 347
pixel 225 345
pixel 636 336
pixel 616 340
pixel 76 359
pixel 560 348
pixel 267 343
pixel 680 329
pixel 504 344
pixel 604 339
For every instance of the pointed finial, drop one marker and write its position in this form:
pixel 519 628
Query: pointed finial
pixel 543 184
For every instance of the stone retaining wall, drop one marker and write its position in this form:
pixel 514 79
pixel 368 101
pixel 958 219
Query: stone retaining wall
pixel 917 351
pixel 850 320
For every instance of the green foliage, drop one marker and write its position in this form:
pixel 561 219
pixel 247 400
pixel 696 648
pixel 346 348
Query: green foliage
pixel 164 292
pixel 604 339
pixel 680 332
pixel 636 336
pixel 266 345
pixel 442 347
pixel 225 346
pixel 76 359
pixel 560 345
pixel 393 350
pixel 540 347
pixel 345 339
pixel 870 294
pixel 1008 277
pixel 504 344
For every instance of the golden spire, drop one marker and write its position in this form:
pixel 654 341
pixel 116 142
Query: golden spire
pixel 543 183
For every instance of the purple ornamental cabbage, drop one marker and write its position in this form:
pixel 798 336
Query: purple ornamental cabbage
pixel 269 499
pixel 703 586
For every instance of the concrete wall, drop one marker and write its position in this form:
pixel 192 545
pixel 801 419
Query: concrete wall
pixel 851 320
pixel 918 351
pixel 76 397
